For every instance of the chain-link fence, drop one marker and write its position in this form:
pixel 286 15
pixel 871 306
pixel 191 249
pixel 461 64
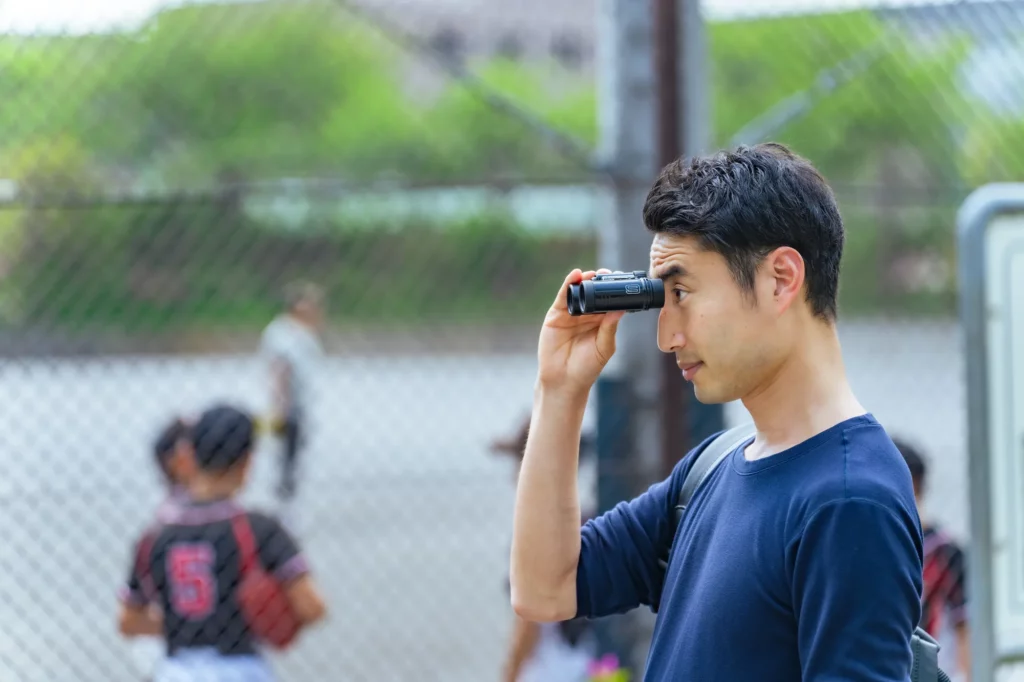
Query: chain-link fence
pixel 427 164
pixel 163 183
pixel 906 108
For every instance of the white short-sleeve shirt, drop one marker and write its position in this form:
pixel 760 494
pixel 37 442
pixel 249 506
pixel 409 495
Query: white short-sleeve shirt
pixel 289 340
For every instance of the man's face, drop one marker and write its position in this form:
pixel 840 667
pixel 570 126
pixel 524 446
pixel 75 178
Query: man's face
pixel 726 341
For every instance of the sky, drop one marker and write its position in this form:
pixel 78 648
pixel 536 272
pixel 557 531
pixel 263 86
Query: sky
pixel 82 16
pixel 75 16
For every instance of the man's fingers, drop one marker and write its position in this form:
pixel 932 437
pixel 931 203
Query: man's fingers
pixel 573 277
pixel 606 333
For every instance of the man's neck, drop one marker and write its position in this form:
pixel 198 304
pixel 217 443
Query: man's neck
pixel 807 394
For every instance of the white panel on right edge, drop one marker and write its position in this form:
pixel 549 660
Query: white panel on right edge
pixel 1004 286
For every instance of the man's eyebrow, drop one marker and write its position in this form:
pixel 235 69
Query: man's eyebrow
pixel 674 270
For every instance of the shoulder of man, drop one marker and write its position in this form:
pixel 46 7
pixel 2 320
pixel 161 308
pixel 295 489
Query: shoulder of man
pixel 861 464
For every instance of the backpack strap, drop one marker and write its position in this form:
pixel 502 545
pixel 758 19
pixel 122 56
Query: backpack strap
pixel 246 542
pixel 926 658
pixel 706 460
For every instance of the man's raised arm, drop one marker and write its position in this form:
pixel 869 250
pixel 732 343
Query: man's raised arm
pixel 557 571
pixel 571 353
pixel 546 528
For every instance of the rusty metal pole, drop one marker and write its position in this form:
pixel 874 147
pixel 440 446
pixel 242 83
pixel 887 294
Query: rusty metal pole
pixel 679 62
pixel 667 56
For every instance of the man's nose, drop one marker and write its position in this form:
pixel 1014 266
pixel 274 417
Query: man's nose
pixel 670 336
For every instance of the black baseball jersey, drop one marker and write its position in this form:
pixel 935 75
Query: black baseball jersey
pixel 190 567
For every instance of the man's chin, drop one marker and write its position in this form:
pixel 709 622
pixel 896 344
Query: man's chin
pixel 708 396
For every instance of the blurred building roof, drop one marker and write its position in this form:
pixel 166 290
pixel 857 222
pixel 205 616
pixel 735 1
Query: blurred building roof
pixel 565 31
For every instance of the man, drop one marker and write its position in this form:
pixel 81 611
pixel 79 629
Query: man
pixel 185 575
pixel 292 348
pixel 944 601
pixel 799 558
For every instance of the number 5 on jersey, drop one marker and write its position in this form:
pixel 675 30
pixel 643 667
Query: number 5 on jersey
pixel 193 585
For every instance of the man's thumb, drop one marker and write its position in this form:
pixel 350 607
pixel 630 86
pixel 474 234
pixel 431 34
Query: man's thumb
pixel 606 334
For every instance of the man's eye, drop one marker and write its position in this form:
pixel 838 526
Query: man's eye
pixel 679 294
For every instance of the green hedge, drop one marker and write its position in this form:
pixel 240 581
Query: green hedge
pixel 161 267
pixel 181 266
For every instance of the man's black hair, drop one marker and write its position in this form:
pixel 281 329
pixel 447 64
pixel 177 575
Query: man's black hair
pixel 743 204
pixel 167 441
pixel 223 436
pixel 915 461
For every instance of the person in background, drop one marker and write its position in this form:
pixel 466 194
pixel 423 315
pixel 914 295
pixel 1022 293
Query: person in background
pixel 185 574
pixel 944 598
pixel 546 652
pixel 176 461
pixel 172 451
pixel 292 347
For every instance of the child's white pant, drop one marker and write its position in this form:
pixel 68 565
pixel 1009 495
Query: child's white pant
pixel 207 665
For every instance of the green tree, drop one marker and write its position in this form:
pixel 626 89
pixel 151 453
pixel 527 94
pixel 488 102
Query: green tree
pixel 478 138
pixel 907 97
pixel 992 150
pixel 273 88
pixel 48 86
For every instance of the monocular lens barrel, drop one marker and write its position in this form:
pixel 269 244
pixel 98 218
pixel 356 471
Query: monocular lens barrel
pixel 631 293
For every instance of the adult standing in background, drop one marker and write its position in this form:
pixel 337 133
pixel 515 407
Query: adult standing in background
pixel 291 345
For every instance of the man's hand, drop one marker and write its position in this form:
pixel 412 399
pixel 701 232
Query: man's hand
pixel 573 350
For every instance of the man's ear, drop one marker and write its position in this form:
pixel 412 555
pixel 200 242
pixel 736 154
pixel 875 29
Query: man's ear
pixel 785 266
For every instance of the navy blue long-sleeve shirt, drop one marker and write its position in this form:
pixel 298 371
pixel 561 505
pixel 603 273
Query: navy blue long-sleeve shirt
pixel 805 565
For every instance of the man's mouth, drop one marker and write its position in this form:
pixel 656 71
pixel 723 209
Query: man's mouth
pixel 689 369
